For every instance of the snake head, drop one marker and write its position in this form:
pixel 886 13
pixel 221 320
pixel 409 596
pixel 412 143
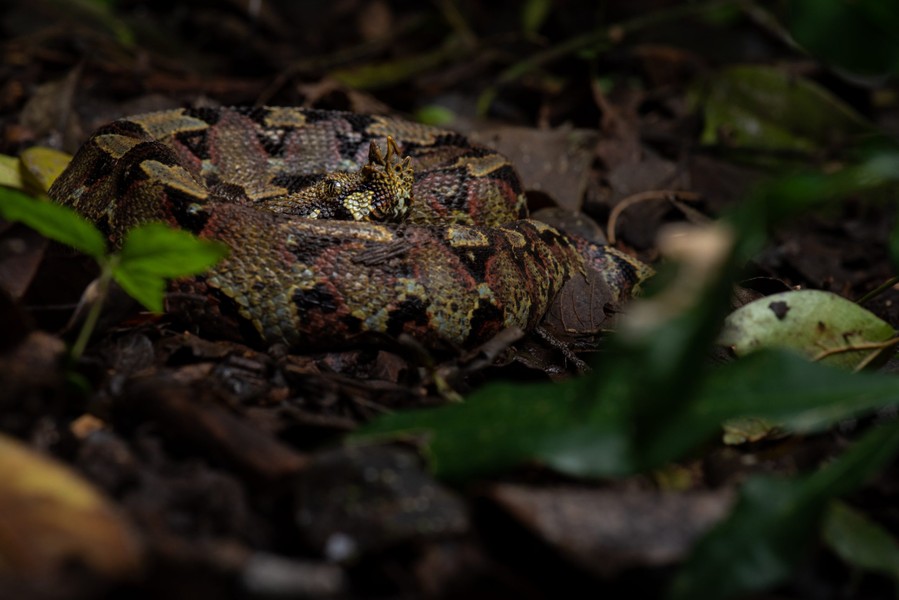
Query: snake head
pixel 380 191
pixel 387 182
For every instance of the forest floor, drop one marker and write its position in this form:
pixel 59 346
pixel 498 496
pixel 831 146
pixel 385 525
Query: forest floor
pixel 221 466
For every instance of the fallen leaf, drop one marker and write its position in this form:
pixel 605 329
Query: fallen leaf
pixel 607 531
pixel 555 161
pixel 50 516
pixel 818 324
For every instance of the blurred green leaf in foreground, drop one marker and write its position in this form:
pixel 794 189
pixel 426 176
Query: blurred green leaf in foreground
pixel 654 398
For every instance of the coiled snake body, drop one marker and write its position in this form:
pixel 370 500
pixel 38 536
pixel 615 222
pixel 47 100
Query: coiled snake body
pixel 318 257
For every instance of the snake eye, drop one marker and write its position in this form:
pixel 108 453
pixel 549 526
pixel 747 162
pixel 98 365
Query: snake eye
pixel 332 187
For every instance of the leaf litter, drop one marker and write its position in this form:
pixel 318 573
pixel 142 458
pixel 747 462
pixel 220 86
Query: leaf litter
pixel 229 460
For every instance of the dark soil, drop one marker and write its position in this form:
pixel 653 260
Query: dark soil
pixel 223 464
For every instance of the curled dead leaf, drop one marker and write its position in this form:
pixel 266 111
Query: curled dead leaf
pixel 50 517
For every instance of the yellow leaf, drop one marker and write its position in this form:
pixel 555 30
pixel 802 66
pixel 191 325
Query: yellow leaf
pixel 41 166
pixel 10 176
pixel 50 516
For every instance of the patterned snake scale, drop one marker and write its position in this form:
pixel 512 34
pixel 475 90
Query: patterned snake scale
pixel 316 262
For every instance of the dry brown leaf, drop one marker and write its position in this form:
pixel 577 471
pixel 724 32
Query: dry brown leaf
pixel 50 516
pixel 606 531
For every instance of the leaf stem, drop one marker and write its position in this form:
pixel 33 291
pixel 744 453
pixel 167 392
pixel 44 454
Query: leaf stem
pixel 107 266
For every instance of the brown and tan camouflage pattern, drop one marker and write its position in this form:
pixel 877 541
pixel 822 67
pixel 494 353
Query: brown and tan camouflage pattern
pixel 463 264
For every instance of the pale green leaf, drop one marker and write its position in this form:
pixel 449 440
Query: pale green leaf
pixel 820 325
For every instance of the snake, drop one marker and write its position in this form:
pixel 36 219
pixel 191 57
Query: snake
pixel 334 241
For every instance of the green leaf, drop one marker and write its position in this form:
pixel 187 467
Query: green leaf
pixel 153 253
pixel 861 542
pixel 820 325
pixel 562 426
pixel 859 36
pixel 765 108
pixel 775 385
pixel 505 425
pixel 613 422
pixel 435 114
pixel 160 250
pixel 146 288
pixel 53 221
pixel 774 522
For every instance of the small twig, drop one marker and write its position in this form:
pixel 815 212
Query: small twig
pixel 870 358
pixel 643 197
pixel 879 289
pixel 553 341
pixel 857 347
